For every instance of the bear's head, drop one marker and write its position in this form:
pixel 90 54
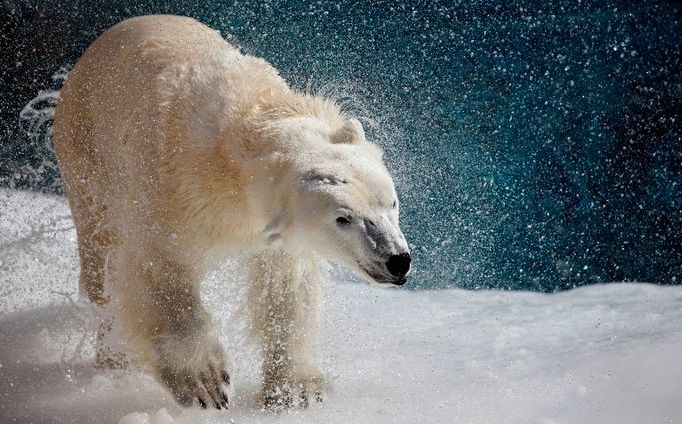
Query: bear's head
pixel 345 206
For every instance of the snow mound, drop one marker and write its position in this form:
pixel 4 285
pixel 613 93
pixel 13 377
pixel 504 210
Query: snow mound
pixel 599 354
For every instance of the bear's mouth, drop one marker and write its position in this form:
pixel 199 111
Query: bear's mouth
pixel 381 278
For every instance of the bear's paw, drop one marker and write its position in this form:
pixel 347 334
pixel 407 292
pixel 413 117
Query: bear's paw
pixel 196 377
pixel 294 393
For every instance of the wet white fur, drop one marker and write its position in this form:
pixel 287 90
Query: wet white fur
pixel 177 151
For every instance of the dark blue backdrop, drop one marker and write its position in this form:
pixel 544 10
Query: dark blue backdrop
pixel 536 144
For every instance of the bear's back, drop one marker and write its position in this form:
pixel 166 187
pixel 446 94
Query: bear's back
pixel 178 34
pixel 134 134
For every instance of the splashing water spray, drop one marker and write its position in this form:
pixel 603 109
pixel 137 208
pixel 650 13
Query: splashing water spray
pixel 35 120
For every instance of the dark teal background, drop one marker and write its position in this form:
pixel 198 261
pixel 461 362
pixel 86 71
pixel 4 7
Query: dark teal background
pixel 535 144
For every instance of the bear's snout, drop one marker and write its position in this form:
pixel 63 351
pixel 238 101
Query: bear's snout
pixel 399 266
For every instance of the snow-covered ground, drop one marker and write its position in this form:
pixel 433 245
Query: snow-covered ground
pixel 600 354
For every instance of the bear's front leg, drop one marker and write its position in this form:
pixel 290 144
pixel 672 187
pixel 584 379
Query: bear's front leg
pixel 284 300
pixel 187 355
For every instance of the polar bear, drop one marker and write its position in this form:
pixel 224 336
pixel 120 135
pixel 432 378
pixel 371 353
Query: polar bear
pixel 176 151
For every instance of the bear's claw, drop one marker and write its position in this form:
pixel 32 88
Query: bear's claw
pixel 195 371
pixel 189 388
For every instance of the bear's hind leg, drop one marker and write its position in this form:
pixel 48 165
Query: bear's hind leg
pixel 95 240
pixel 284 301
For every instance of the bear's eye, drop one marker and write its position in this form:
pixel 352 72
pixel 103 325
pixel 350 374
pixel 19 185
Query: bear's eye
pixel 343 220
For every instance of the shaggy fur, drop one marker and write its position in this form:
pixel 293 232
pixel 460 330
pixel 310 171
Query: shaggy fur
pixel 176 151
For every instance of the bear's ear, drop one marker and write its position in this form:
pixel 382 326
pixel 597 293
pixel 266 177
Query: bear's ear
pixel 350 132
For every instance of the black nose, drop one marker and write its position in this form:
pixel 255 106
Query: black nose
pixel 398 265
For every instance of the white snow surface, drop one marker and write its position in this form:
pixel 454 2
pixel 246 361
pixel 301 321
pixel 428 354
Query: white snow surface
pixel 600 354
